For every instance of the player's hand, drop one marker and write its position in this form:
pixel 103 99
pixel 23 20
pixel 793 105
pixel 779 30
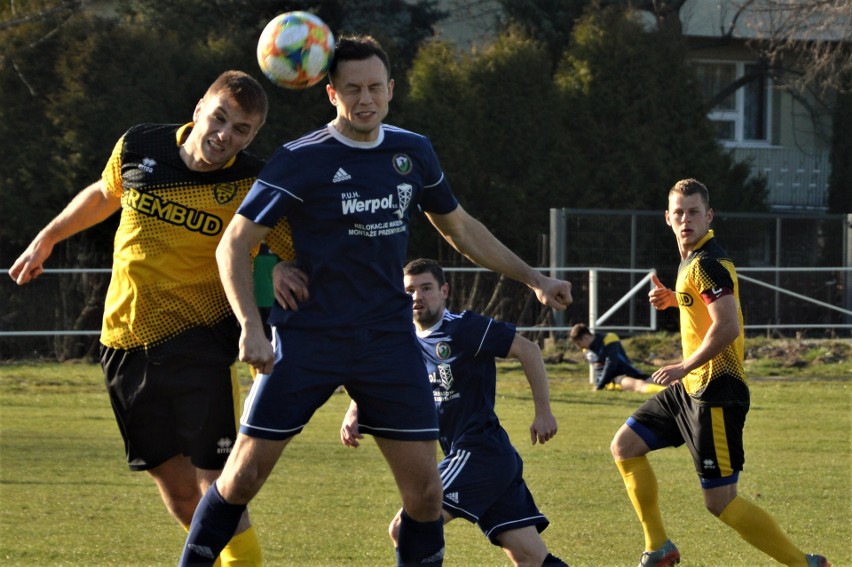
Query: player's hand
pixel 661 297
pixel 256 350
pixel 554 293
pixel 30 264
pixel 290 285
pixel 543 428
pixel 668 374
pixel 349 435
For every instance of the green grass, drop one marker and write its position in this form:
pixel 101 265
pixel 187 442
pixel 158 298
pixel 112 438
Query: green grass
pixel 68 499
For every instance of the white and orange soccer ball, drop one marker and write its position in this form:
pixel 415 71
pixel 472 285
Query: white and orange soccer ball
pixel 295 50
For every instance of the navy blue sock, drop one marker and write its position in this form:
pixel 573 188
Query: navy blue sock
pixel 213 526
pixel 553 560
pixel 420 543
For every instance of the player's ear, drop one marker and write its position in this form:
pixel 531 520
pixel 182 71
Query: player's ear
pixel 390 89
pixel 668 220
pixel 445 291
pixel 197 110
pixel 709 215
pixel 332 94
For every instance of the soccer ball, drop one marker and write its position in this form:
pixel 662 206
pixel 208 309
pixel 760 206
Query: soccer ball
pixel 295 50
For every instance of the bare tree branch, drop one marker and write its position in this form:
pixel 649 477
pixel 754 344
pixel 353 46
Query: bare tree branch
pixel 42 15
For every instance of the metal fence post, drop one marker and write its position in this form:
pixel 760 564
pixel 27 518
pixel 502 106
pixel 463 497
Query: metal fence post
pixel 847 257
pixel 557 255
pixel 593 312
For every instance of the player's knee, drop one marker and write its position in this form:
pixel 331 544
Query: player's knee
pixel 182 510
pixel 524 557
pixel 241 486
pixel 626 444
pixel 425 505
pixel 714 508
pixel 393 528
pixel 180 500
pixel 616 448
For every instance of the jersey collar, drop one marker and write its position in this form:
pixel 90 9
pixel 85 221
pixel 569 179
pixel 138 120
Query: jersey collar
pixel 426 332
pixel 354 143
pixel 703 240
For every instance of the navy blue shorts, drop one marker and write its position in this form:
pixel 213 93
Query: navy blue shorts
pixel 714 434
pixel 382 371
pixel 488 489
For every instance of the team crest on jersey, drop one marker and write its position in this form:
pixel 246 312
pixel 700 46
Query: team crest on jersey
pixel 442 350
pixel 224 192
pixel 684 299
pixel 402 164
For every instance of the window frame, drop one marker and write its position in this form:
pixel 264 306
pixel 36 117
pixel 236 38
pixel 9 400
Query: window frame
pixel 737 115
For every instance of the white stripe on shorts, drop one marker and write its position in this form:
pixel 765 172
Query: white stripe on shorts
pixel 454 468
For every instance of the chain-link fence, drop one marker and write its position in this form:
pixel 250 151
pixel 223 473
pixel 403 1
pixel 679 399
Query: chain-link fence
pixel 764 247
pixel 59 314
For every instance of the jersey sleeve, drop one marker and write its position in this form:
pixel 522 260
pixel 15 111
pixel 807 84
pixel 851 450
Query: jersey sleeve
pixel 711 279
pixel 272 194
pixel 280 240
pixel 437 194
pixel 486 336
pixel 111 175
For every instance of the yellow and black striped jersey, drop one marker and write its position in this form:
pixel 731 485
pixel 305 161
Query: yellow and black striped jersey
pixel 704 276
pixel 165 279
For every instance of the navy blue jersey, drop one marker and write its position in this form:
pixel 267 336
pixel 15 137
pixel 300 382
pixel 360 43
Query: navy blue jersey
pixel 612 360
pixel 459 354
pixel 349 205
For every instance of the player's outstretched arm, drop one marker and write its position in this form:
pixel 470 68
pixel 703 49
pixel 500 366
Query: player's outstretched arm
pixel 543 427
pixel 472 239
pixel 92 205
pixel 349 434
pixel 234 258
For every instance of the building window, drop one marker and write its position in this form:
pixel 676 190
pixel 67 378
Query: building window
pixel 742 117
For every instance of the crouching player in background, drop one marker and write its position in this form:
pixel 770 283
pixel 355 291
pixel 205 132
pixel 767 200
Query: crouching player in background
pixel 613 369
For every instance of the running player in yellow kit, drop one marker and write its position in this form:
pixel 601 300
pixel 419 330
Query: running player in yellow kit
pixel 707 400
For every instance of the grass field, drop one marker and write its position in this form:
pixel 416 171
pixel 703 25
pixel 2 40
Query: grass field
pixel 68 499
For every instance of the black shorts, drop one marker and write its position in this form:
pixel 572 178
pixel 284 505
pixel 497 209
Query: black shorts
pixel 170 404
pixel 713 433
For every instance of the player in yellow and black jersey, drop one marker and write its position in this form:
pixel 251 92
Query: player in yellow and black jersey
pixel 707 400
pixel 169 337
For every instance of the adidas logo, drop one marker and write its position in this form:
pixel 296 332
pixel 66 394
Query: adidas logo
pixel 454 496
pixel 341 175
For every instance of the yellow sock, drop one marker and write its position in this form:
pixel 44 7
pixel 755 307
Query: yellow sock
pixel 641 484
pixel 761 530
pixel 242 551
pixel 651 388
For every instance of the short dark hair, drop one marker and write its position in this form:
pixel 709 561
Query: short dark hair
pixel 687 187
pixel 579 331
pixel 357 48
pixel 244 89
pixel 423 265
